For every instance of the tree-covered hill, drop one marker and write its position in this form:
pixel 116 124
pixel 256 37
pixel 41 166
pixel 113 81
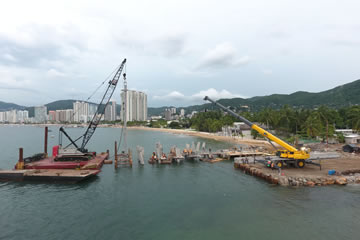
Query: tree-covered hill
pixel 338 97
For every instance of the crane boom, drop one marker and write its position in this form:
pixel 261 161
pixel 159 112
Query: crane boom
pixel 101 107
pixel 290 152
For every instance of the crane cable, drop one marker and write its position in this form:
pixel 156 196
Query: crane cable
pixel 91 95
pixel 122 129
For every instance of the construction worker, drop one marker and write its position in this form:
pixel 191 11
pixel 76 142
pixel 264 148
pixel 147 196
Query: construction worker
pixel 268 164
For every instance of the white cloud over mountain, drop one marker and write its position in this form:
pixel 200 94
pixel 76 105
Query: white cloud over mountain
pixel 196 98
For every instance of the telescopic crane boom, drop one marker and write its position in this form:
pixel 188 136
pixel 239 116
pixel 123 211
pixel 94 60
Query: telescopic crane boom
pixel 290 152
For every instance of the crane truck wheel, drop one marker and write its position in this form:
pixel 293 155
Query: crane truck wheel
pixel 279 164
pixel 300 163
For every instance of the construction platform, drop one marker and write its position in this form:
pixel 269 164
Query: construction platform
pixel 316 171
pixel 47 175
pixel 94 163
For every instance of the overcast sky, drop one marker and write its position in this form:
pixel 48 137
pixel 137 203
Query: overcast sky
pixel 177 51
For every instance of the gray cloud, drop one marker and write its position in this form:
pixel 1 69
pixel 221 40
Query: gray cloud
pixel 222 56
pixel 34 45
pixel 30 90
pixel 347 43
pixel 171 46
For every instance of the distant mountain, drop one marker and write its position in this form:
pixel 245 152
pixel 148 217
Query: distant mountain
pixel 4 106
pixel 341 96
pixel 60 105
pixel 152 111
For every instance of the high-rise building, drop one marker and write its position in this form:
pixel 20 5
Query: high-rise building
pixel 110 111
pixel 107 114
pixel 168 114
pixel 52 116
pixel 81 111
pixel 22 116
pixel 173 110
pixel 40 114
pixel 2 116
pixel 182 112
pixel 136 103
pixel 92 109
pixel 63 116
pixel 69 115
pixel 14 116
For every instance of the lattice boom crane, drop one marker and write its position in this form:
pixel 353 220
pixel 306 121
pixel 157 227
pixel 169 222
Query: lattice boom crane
pixel 100 110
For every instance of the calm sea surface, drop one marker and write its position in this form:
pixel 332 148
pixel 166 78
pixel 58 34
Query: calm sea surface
pixel 188 201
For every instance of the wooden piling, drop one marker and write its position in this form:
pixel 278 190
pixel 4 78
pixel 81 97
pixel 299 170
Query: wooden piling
pixel 21 155
pixel 116 156
pixel 130 157
pixel 20 164
pixel 46 141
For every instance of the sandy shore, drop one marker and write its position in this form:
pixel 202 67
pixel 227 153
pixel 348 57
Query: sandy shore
pixel 234 140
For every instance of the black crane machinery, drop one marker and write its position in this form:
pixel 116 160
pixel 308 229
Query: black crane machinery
pixel 98 114
pixel 289 155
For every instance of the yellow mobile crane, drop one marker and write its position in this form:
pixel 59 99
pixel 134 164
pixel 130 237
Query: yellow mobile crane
pixel 289 155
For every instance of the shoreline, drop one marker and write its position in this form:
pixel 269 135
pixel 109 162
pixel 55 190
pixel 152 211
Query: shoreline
pixel 346 166
pixel 188 132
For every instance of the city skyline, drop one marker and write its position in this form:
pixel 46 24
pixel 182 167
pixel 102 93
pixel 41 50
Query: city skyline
pixel 82 112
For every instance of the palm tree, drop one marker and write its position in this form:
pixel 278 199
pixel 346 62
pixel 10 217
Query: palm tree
pixel 313 125
pixel 353 117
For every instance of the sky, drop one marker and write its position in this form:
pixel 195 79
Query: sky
pixel 177 51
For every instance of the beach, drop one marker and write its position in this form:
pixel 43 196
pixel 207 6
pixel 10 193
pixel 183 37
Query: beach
pixel 235 140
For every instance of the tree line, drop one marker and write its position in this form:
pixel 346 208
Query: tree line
pixel 287 121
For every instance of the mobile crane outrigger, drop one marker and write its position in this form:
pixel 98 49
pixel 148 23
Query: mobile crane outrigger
pixel 289 155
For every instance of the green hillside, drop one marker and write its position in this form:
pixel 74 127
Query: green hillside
pixel 60 105
pixel 4 106
pixel 341 96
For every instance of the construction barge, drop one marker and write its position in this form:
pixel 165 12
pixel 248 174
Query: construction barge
pixel 70 163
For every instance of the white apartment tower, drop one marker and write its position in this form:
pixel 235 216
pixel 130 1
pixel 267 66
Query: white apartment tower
pixel 81 111
pixel 136 103
pixel 110 111
pixel 40 114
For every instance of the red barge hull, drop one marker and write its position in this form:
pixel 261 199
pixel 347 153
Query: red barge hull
pixel 94 163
